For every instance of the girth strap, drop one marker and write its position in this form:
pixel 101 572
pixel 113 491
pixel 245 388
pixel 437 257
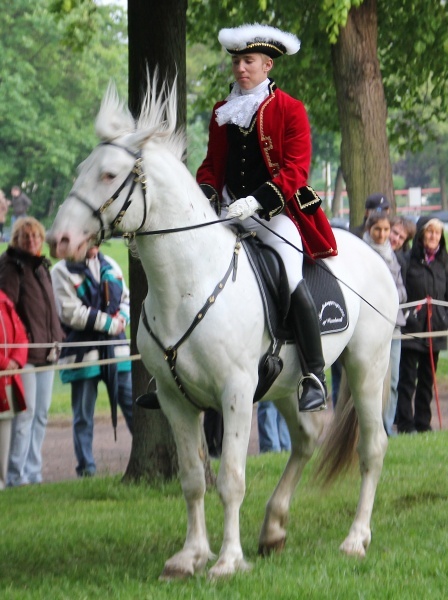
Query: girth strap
pixel 170 353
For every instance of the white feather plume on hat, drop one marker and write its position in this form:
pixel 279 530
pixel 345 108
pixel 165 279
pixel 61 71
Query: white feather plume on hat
pixel 258 38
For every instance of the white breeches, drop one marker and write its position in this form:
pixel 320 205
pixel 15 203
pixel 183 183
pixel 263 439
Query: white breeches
pixel 284 227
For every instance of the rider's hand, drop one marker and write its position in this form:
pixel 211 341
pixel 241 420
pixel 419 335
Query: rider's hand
pixel 243 208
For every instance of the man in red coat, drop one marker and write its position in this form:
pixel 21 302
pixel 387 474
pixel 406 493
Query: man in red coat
pixel 257 162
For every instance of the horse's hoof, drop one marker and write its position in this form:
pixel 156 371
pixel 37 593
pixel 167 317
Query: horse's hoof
pixel 351 548
pixel 273 547
pixel 223 569
pixel 172 573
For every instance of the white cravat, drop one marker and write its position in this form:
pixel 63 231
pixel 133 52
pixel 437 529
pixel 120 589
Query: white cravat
pixel 241 105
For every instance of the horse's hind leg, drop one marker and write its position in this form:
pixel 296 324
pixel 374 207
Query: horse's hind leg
pixel 304 431
pixel 196 552
pixel 367 393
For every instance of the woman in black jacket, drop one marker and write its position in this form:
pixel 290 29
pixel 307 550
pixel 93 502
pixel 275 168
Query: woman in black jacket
pixel 426 275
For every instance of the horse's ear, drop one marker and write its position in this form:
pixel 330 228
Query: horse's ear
pixel 138 139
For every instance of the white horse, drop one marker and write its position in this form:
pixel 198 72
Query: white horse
pixel 135 181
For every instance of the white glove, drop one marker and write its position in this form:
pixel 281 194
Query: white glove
pixel 243 208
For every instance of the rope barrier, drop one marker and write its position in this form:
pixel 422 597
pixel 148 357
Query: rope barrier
pixel 431 357
pixel 59 367
pixel 79 365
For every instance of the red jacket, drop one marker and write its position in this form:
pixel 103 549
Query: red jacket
pixel 285 140
pixel 12 331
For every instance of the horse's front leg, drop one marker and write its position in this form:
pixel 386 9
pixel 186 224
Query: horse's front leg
pixel 186 426
pixel 231 481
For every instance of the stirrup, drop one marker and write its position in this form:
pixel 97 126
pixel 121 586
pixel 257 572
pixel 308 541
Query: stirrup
pixel 315 404
pixel 148 401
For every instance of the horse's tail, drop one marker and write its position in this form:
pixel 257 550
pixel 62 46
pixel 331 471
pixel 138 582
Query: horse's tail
pixel 338 451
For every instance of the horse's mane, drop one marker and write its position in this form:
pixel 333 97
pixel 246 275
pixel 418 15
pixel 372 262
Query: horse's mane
pixel 158 112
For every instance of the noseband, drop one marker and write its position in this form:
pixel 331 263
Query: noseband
pixel 135 176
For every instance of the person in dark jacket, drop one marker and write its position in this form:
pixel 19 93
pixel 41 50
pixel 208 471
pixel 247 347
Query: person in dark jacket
pixel 426 276
pixel 25 279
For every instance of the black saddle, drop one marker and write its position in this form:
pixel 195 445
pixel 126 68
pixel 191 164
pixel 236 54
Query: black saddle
pixel 271 276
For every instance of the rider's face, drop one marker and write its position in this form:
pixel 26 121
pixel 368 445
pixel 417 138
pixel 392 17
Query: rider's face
pixel 250 70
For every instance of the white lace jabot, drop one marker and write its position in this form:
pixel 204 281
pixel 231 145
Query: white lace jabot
pixel 241 105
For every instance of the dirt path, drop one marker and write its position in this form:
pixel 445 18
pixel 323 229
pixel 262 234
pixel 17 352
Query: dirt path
pixel 112 457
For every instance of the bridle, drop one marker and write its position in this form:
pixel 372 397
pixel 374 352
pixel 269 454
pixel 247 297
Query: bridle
pixel 135 176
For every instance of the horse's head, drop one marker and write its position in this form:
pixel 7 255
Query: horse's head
pixel 109 193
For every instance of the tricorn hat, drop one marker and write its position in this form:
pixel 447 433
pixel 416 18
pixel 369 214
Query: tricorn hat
pixel 258 38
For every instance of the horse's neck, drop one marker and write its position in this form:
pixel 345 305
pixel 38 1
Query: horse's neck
pixel 182 268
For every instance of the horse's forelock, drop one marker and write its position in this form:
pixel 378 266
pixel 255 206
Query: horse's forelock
pixel 158 112
pixel 159 109
pixel 114 118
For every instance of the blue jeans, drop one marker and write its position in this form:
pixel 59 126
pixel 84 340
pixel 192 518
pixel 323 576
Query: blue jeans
pixel 273 434
pixel 28 429
pixel 336 374
pixel 391 406
pixel 84 395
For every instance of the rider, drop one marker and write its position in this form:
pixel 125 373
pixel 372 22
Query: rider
pixel 257 162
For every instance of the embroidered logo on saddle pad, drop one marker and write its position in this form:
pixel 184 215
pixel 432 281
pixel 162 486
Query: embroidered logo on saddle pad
pixel 327 296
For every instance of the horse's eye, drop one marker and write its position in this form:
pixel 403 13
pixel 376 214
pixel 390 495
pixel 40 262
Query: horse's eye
pixel 107 177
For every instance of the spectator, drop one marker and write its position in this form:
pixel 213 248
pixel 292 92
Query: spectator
pixel 12 398
pixel 401 233
pixel 93 304
pixel 273 433
pixel 427 275
pixel 377 236
pixel 25 279
pixel 20 203
pixel 336 374
pixel 374 203
pixel 4 206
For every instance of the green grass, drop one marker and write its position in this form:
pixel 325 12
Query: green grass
pixel 99 538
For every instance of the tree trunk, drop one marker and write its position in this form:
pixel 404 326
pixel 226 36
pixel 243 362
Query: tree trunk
pixel 157 41
pixel 365 158
pixel 442 183
pixel 336 205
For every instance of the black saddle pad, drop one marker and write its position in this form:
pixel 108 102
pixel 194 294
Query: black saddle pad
pixel 327 296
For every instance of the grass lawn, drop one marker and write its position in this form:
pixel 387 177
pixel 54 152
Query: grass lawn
pixel 99 538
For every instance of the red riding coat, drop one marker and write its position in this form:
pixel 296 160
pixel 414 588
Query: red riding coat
pixel 285 141
pixel 12 331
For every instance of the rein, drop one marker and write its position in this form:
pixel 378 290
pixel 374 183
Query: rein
pixel 137 176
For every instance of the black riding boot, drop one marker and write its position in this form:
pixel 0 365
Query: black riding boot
pixel 306 329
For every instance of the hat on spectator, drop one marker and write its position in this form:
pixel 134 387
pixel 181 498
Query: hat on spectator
pixel 258 38
pixel 377 202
